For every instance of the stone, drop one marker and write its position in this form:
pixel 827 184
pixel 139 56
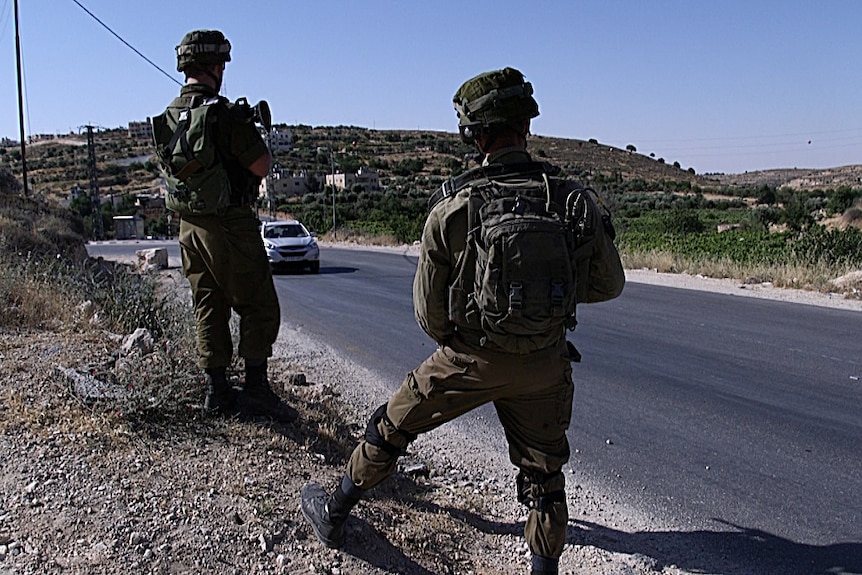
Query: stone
pixel 296 379
pixel 141 339
pixel 152 259
pixel 87 387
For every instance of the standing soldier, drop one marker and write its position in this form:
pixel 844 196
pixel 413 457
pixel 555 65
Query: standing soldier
pixel 498 312
pixel 213 158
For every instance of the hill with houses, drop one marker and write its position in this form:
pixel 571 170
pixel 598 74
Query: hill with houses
pixel 412 158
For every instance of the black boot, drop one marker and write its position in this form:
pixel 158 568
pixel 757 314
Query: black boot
pixel 256 387
pixel 545 565
pixel 328 513
pixel 255 374
pixel 258 398
pixel 220 398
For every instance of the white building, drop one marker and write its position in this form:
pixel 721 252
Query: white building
pixel 141 130
pixel 284 184
pixel 367 178
pixel 280 140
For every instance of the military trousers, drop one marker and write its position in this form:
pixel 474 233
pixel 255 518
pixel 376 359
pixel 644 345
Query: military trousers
pixel 226 266
pixel 532 395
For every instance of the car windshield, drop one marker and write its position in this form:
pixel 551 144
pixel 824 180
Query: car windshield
pixel 285 231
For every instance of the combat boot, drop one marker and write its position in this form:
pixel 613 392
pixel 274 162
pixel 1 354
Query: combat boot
pixel 544 566
pixel 258 398
pixel 220 398
pixel 255 374
pixel 328 513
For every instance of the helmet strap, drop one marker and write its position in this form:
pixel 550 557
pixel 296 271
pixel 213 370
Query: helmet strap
pixel 196 70
pixel 214 78
pixel 490 136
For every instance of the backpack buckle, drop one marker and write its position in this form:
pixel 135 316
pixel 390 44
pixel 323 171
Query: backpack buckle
pixel 558 293
pixel 516 298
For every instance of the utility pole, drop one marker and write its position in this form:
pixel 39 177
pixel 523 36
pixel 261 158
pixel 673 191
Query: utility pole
pixel 332 163
pixel 268 181
pixel 98 228
pixel 20 105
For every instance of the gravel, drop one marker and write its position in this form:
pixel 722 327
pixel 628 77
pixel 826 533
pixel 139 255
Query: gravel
pixel 83 492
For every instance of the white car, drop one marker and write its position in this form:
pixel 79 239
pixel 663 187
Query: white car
pixel 289 244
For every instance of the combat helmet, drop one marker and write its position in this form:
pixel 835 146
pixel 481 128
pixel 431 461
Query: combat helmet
pixel 202 48
pixel 496 97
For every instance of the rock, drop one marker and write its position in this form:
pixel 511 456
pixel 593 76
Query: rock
pixel 85 311
pixel 265 543
pixel 87 387
pixel 416 469
pixel 297 379
pixel 849 281
pixel 152 259
pixel 136 538
pixel 141 339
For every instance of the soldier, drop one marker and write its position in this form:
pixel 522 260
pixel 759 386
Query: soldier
pixel 528 375
pixel 214 190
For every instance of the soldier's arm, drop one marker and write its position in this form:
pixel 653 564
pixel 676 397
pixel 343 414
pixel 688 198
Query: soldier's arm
pixel 260 167
pixel 430 284
pixel 246 143
pixel 607 276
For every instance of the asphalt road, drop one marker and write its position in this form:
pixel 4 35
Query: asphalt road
pixel 721 412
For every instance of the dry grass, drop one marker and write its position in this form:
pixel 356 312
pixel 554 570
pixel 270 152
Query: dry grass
pixel 362 238
pixel 31 300
pixel 818 277
pixel 852 217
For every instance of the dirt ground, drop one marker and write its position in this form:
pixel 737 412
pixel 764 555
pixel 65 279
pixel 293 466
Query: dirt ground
pixel 83 493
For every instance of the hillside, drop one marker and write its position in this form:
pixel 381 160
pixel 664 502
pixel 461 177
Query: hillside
pixel 405 160
pixel 796 178
pixel 56 166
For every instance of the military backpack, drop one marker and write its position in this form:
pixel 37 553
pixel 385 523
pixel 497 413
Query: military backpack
pixel 196 179
pixel 532 236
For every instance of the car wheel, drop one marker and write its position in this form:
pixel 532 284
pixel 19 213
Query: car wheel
pixel 314 267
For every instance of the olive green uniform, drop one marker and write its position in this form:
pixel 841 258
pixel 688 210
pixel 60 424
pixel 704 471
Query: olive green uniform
pixel 532 392
pixel 223 255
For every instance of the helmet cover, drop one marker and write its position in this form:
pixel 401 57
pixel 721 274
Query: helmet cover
pixel 202 48
pixel 499 96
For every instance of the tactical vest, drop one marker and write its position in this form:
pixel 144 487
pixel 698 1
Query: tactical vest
pixel 195 175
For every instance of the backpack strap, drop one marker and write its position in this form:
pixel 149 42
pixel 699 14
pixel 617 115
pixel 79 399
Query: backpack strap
pixel 457 183
pixel 192 163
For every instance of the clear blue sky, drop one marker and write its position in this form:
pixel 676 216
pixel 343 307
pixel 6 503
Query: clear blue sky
pixel 719 85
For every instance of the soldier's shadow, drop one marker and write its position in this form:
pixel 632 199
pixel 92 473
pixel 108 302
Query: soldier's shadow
pixel 728 550
pixel 364 542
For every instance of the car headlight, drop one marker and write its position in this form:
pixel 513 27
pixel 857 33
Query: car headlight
pixel 268 245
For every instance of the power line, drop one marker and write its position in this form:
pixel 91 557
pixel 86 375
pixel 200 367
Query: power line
pixel 135 50
pixel 806 135
pixel 5 18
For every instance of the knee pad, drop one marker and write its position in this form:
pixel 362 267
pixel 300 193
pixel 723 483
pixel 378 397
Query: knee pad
pixel 531 487
pixel 374 437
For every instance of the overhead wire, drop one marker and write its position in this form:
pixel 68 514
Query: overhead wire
pixel 758 137
pixel 694 149
pixel 118 37
pixel 5 18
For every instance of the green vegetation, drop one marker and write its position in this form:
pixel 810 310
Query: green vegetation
pixel 49 284
pixel 727 238
pixel 668 217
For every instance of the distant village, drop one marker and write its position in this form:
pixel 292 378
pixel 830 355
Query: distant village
pixel 279 185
